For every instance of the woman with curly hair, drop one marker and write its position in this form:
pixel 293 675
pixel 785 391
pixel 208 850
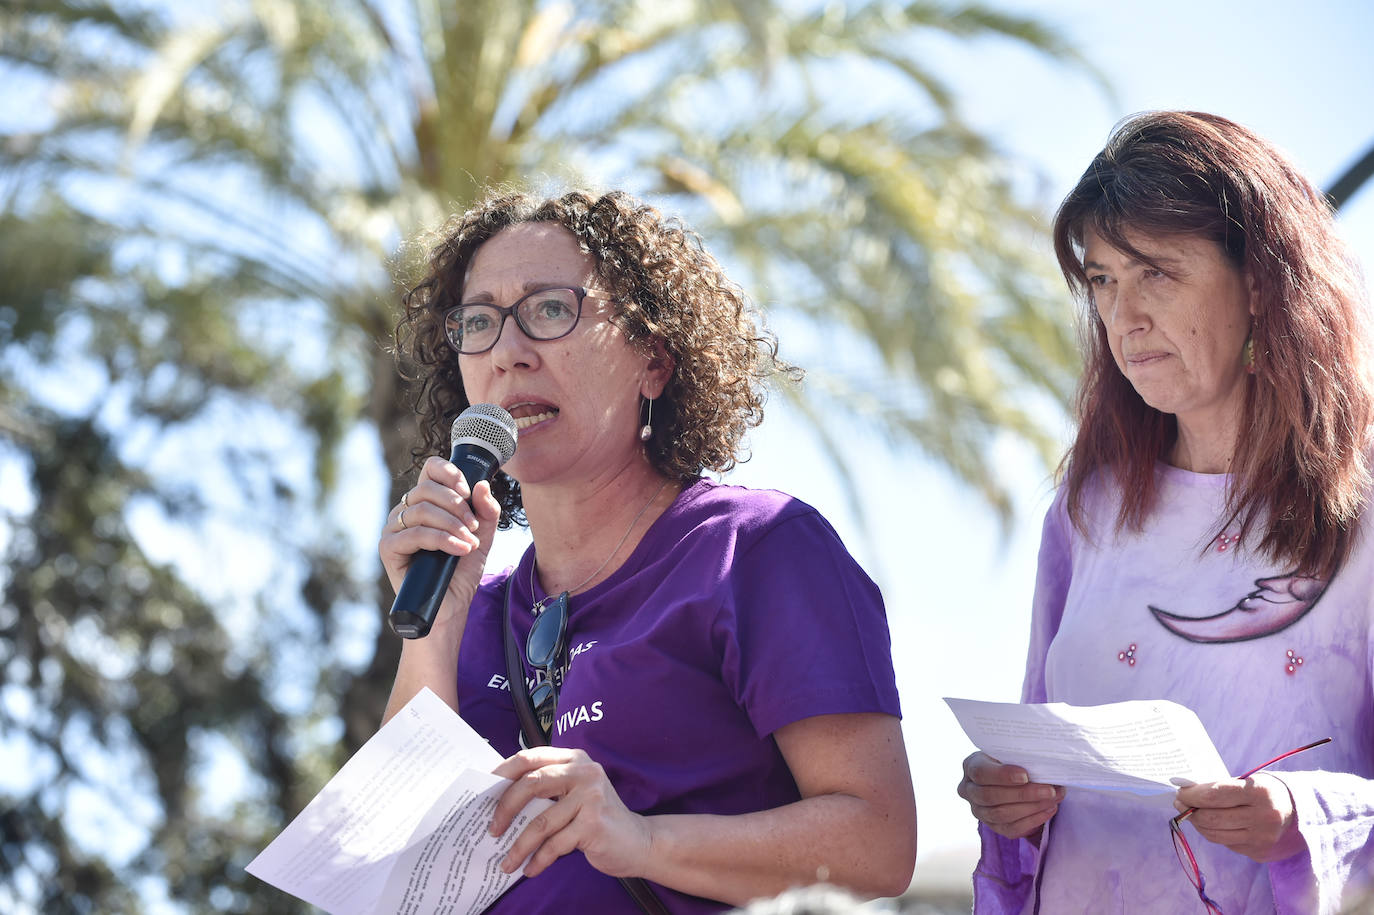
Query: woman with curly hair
pixel 1210 543
pixel 717 688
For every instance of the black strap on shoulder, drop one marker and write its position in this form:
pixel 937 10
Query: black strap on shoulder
pixel 533 736
pixel 531 733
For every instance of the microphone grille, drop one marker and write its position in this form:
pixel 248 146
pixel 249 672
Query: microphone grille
pixel 489 424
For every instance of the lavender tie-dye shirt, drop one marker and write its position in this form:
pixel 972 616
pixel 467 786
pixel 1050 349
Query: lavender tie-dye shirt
pixel 1268 661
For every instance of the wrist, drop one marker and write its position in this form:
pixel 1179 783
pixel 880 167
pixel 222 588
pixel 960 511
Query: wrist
pixel 439 648
pixel 1291 840
pixel 651 845
pixel 1290 843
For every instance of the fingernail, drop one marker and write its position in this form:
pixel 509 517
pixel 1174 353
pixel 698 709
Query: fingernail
pixel 1046 791
pixel 1020 778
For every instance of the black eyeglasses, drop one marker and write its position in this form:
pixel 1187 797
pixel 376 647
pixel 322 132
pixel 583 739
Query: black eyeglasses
pixel 544 649
pixel 1188 861
pixel 544 314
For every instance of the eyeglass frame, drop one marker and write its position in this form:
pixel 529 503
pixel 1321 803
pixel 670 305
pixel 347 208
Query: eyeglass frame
pixel 580 293
pixel 1182 848
pixel 1188 861
pixel 549 664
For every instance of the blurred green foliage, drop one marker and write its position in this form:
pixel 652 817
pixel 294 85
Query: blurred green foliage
pixel 204 211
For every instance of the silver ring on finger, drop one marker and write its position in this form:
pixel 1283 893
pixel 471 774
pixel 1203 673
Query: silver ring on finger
pixel 402 518
pixel 405 499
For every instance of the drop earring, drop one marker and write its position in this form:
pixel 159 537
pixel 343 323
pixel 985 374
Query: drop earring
pixel 646 431
pixel 1249 355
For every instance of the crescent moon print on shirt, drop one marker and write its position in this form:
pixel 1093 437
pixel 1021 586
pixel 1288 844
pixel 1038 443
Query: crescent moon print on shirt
pixel 1274 605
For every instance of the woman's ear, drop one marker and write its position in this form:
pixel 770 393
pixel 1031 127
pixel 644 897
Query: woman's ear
pixel 658 371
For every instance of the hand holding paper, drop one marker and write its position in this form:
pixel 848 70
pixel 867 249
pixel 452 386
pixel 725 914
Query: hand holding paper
pixel 1141 746
pixel 403 826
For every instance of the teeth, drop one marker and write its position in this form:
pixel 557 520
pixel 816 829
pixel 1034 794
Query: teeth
pixel 524 422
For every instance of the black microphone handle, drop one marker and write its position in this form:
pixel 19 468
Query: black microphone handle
pixel 422 591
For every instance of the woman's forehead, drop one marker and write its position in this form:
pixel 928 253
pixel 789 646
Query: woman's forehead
pixel 1135 243
pixel 528 252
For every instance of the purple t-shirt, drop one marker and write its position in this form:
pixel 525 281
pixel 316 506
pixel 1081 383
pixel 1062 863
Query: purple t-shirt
pixel 739 612
pixel 1268 661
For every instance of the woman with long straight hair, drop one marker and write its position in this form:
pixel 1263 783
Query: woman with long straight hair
pixel 1209 543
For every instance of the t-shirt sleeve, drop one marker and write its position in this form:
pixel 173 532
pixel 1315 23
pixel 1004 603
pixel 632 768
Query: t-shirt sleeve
pixel 802 630
pixel 1005 875
pixel 1335 812
pixel 1053 573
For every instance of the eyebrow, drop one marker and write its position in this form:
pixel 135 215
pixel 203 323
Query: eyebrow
pixel 1159 263
pixel 528 287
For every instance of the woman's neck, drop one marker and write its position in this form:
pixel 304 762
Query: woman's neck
pixel 1204 450
pixel 583 534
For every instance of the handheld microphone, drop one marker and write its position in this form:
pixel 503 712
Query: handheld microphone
pixel 483 439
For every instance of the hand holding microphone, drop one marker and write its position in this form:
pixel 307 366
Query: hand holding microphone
pixel 483 439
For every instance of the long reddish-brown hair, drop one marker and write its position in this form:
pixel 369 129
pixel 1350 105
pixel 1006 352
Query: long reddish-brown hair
pixel 1300 475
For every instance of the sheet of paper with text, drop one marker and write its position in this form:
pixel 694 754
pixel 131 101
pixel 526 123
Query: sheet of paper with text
pixel 402 827
pixel 1144 746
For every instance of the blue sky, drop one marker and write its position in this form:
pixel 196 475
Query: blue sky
pixel 957 586
pixel 957 589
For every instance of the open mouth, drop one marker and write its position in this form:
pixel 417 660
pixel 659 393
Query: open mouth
pixel 531 414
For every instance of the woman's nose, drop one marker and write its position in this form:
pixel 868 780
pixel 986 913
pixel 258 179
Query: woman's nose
pixel 513 349
pixel 1127 312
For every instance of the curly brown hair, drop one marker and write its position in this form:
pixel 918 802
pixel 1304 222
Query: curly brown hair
pixel 664 286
